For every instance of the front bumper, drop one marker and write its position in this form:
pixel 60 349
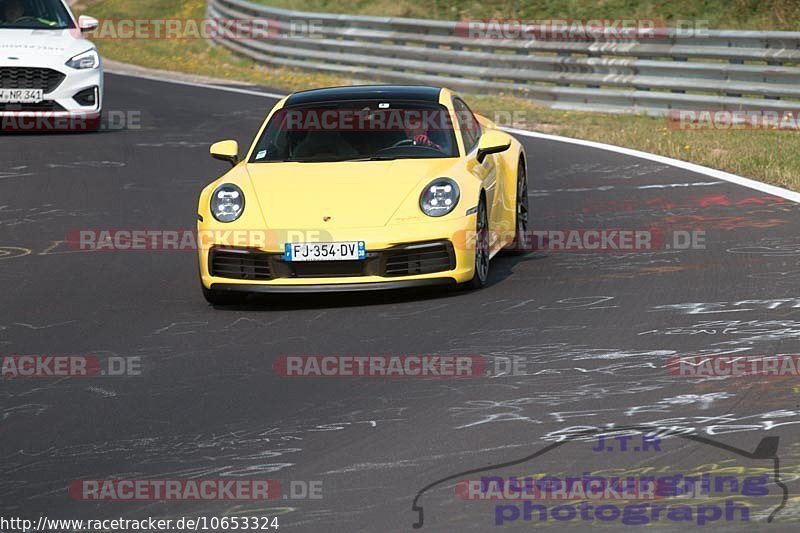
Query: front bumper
pixel 59 109
pixel 431 253
pixel 333 287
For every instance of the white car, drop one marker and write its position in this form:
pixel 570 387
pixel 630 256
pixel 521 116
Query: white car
pixel 51 76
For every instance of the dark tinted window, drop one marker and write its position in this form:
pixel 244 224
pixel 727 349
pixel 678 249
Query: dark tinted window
pixel 468 124
pixel 357 130
pixel 34 14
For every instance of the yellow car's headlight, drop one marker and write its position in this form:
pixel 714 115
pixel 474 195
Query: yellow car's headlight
pixel 227 202
pixel 439 197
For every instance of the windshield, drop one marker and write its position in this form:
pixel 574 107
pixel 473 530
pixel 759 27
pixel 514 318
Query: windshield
pixel 34 14
pixel 357 131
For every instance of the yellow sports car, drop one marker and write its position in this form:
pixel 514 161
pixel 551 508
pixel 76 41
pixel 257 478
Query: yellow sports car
pixel 362 188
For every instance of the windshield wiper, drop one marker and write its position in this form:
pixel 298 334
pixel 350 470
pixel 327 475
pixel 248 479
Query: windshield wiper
pixel 387 158
pixel 309 160
pixel 358 159
pixel 372 158
pixel 312 160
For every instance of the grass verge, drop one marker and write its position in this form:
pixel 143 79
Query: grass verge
pixel 728 14
pixel 768 155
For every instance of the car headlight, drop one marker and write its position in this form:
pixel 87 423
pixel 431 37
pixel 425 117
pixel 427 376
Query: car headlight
pixel 439 197
pixel 227 202
pixel 88 59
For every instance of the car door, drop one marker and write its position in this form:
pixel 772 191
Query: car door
pixel 471 132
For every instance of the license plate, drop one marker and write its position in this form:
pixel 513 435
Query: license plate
pixel 21 96
pixel 325 251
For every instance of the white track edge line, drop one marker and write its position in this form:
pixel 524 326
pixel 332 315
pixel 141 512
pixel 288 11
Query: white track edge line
pixel 685 165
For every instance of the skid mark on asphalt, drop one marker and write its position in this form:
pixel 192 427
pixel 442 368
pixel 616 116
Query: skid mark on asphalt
pixel 658 204
pixel 738 306
pixel 28 409
pixel 41 214
pixel 174 144
pixel 769 247
pixel 577 303
pixel 688 425
pixel 13 252
pixel 361 467
pixel 102 392
pixel 235 452
pixel 9 175
pixel 406 314
pixel 618 262
pixel 678 185
pixel 252 323
pixel 34 327
pixel 582 303
pixel 750 332
pixel 722 223
pixel 88 164
pixel 622 171
pixel 180 328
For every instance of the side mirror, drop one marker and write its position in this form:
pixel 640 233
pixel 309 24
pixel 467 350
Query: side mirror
pixel 87 24
pixel 226 151
pixel 492 142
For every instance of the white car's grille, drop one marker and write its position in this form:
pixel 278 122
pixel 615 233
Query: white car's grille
pixel 30 78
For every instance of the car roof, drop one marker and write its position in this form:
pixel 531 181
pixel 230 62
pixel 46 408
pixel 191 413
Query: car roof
pixel 365 92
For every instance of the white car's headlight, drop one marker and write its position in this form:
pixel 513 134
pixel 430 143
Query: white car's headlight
pixel 439 197
pixel 227 202
pixel 88 59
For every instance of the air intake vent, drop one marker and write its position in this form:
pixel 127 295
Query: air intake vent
pixel 420 259
pixel 239 264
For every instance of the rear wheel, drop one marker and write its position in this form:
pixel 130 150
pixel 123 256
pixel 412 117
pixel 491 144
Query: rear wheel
pixel 521 218
pixel 481 275
pixel 223 298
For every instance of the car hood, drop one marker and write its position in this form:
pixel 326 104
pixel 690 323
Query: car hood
pixel 352 194
pixel 51 48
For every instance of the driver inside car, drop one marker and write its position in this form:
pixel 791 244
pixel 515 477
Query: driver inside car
pixel 13 10
pixel 419 137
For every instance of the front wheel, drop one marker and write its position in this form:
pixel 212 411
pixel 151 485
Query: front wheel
pixel 223 298
pixel 481 275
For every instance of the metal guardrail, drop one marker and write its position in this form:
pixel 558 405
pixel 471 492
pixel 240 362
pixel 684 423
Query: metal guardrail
pixel 716 69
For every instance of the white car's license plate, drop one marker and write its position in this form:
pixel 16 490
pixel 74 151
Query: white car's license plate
pixel 21 96
pixel 325 251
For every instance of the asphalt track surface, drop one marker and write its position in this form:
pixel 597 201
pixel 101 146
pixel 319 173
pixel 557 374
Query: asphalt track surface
pixel 595 331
